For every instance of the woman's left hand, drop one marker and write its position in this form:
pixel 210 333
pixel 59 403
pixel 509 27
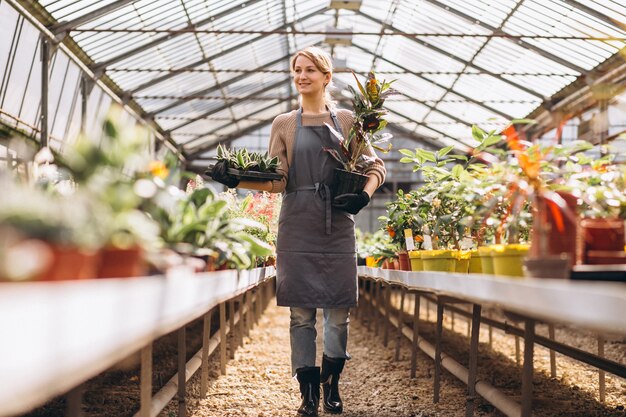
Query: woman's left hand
pixel 352 203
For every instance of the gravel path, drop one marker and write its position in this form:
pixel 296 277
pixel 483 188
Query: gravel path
pixel 257 382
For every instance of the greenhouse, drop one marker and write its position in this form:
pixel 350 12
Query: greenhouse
pixel 312 207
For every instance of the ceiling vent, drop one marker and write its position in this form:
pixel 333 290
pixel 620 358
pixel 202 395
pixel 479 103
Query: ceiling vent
pixel 345 4
pixel 336 36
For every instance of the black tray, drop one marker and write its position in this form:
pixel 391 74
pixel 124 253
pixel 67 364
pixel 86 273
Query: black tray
pixel 599 272
pixel 249 175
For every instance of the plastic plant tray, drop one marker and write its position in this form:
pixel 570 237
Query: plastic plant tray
pixel 249 175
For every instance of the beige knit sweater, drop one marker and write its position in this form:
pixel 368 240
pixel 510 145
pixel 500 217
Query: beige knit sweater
pixel 282 138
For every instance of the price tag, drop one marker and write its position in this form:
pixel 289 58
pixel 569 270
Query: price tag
pixel 428 243
pixel 408 239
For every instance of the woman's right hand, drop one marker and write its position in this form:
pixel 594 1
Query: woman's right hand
pixel 221 175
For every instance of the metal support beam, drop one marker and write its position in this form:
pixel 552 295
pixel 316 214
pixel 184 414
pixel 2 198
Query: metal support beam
pixel 206 339
pixel 145 381
pixel 416 319
pixel 74 401
pixel 182 372
pixel 400 323
pixel 100 67
pixel 473 361
pixel 60 29
pixel 223 338
pixel 438 343
pixel 527 373
pixel 552 353
pixel 45 77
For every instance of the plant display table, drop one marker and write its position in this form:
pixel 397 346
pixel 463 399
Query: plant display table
pixel 598 306
pixel 56 335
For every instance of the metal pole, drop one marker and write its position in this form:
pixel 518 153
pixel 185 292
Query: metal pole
pixel 231 320
pixel 552 336
pixel 45 76
pixel 241 323
pixel 182 372
pixel 206 337
pixel 438 350
pixel 83 104
pixel 527 372
pixel 601 373
pixel 74 401
pixel 400 323
pixel 473 361
pixel 377 289
pixel 416 319
pixel 388 290
pixel 146 381
pixel 223 338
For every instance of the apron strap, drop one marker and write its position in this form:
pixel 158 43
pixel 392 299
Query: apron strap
pixel 322 191
pixel 299 118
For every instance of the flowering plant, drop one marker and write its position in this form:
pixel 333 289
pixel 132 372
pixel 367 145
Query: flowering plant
pixel 368 122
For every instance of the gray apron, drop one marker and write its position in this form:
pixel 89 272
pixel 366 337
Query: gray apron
pixel 316 246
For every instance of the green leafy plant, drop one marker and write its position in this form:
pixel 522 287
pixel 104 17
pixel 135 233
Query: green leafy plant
pixel 368 122
pixel 200 225
pixel 244 160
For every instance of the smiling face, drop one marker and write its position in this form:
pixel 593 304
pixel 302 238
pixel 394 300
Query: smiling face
pixel 308 79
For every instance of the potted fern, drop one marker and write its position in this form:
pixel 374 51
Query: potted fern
pixel 365 132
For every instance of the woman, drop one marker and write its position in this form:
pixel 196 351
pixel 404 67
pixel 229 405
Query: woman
pixel 316 249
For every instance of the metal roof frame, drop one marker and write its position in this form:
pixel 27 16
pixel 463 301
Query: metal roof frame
pixel 191 46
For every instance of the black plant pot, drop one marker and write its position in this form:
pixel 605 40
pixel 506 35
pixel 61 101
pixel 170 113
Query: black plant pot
pixel 347 182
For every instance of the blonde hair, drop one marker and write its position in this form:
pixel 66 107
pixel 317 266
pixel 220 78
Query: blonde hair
pixel 322 62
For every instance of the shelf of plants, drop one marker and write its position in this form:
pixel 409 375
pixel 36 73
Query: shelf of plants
pixel 510 207
pixel 59 334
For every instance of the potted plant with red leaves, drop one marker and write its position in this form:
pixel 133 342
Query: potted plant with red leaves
pixel 365 133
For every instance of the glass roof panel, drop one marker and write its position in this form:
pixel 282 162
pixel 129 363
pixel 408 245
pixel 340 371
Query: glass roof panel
pixel 491 12
pixel 441 62
pixel 424 17
pixel 71 9
pixel 470 112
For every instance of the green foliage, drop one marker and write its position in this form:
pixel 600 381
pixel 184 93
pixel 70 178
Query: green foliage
pixel 247 161
pixel 369 121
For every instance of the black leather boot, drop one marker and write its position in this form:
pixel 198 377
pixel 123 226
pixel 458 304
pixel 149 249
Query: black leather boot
pixel 331 369
pixel 309 379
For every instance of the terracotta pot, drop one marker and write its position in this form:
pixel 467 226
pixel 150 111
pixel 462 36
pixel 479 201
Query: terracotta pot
pixel 403 261
pixel 602 234
pixel 68 263
pixel 121 263
pixel 557 241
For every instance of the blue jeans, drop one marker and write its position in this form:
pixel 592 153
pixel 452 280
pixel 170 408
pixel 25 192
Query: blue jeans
pixel 303 335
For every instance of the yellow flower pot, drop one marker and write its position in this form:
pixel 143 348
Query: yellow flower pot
pixel 475 263
pixel 462 261
pixel 508 259
pixel 415 256
pixel 486 260
pixel 439 260
pixel 370 261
